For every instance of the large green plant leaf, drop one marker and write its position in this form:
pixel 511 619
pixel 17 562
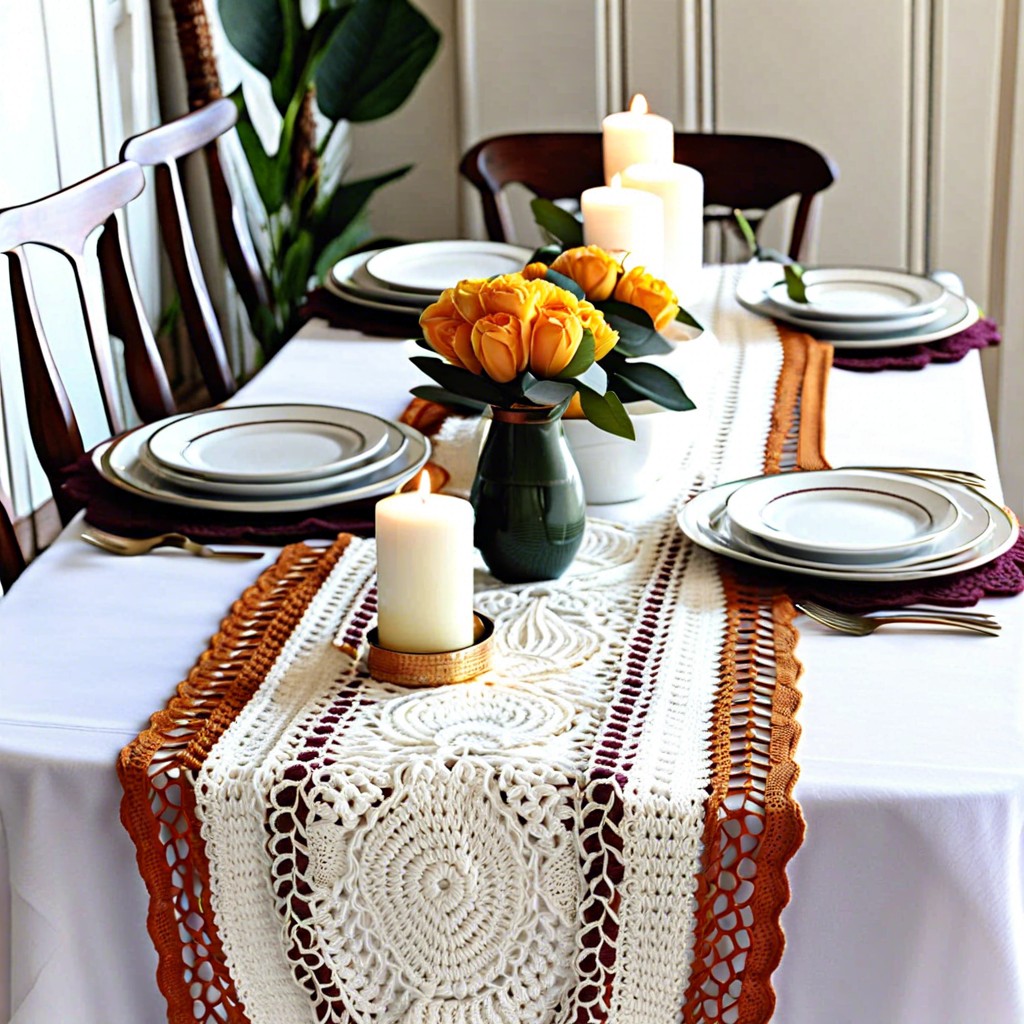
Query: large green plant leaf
pixel 348 201
pixel 255 28
pixel 297 267
pixel 355 235
pixel 269 173
pixel 374 59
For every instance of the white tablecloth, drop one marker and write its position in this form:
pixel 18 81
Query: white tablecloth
pixel 906 894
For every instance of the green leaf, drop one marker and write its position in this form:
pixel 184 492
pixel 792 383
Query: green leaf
pixel 795 288
pixel 689 319
pixel 583 359
pixel 255 28
pixel 549 392
pixel 295 41
pixel 557 222
pixel 637 336
pixel 546 254
pixel 269 173
pixel 297 267
pixel 348 201
pixel 460 381
pixel 748 233
pixel 373 60
pixel 606 411
pixel 565 282
pixel 348 241
pixel 435 394
pixel 655 383
pixel 593 378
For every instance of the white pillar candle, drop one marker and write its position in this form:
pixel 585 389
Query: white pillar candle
pixel 681 190
pixel 635 136
pixel 625 220
pixel 424 573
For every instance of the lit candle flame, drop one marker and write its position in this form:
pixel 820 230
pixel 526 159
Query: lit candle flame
pixel 423 484
pixel 616 181
pixel 638 104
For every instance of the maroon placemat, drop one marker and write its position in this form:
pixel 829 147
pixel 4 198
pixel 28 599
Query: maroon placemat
pixel 109 508
pixel 347 315
pixel 915 357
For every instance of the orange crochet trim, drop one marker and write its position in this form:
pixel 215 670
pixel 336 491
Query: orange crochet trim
pixel 158 806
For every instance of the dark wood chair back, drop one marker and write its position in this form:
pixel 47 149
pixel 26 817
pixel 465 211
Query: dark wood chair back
pixel 12 562
pixel 64 222
pixel 162 148
pixel 749 172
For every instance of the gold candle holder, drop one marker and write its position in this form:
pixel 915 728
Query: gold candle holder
pixel 434 669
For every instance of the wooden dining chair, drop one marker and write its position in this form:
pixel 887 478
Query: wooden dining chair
pixel 64 222
pixel 12 561
pixel 162 148
pixel 749 172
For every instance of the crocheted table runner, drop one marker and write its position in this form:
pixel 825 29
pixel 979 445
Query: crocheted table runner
pixel 596 831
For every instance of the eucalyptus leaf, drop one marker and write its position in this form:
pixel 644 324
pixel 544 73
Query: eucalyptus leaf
pixel 655 383
pixel 549 392
pixel 565 282
pixel 432 393
pixel 460 381
pixel 584 357
pixel 606 411
pixel 795 287
pixel 557 222
pixel 594 378
pixel 255 28
pixel 373 60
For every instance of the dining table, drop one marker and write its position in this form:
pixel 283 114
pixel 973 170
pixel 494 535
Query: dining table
pixel 906 899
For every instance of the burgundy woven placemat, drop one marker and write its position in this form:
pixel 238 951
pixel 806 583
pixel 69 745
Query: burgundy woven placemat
pixel 110 508
pixel 915 357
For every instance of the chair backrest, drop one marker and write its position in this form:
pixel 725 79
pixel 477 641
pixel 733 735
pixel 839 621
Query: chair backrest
pixel 64 222
pixel 12 562
pixel 162 148
pixel 749 172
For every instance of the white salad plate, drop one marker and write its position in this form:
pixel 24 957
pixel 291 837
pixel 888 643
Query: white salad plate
pixel 859 293
pixel 361 300
pixel 704 520
pixel 118 462
pixel 863 328
pixel 842 513
pixel 431 267
pixel 394 447
pixel 350 275
pixel 268 443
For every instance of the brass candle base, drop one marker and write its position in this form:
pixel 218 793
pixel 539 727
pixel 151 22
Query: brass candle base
pixel 434 669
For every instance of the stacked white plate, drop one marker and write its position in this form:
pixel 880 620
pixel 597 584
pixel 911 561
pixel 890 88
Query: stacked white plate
pixel 264 458
pixel 851 524
pixel 408 278
pixel 859 307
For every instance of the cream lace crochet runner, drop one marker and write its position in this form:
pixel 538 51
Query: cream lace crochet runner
pixel 524 848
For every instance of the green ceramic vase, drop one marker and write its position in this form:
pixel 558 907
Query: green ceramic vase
pixel 530 511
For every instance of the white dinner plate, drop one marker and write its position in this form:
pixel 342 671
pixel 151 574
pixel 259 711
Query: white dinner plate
pixel 844 514
pixel 958 314
pixel 859 293
pixel 268 443
pixel 698 519
pixel 863 328
pixel 360 300
pixel 350 275
pixel 431 267
pixel 118 462
pixel 394 448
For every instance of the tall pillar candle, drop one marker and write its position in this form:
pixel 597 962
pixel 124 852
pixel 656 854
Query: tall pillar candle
pixel 625 220
pixel 424 573
pixel 681 190
pixel 635 136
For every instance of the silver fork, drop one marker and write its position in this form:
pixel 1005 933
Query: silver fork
pixel 118 545
pixel 862 625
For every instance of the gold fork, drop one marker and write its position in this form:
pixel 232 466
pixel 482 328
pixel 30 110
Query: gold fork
pixel 141 545
pixel 862 625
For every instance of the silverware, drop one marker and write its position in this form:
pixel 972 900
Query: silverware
pixel 957 476
pixel 141 545
pixel 862 625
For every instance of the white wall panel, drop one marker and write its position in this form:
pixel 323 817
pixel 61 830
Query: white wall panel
pixel 838 76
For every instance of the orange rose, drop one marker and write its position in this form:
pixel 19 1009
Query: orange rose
pixel 574 410
pixel 554 340
pixel 500 343
pixel 594 270
pixel 652 295
pixel 510 293
pixel 448 334
pixel 534 271
pixel 605 336
pixel 466 296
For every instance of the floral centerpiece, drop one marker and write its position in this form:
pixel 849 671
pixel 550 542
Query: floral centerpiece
pixel 532 345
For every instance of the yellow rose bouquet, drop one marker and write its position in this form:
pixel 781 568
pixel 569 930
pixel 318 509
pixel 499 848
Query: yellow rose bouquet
pixel 521 341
